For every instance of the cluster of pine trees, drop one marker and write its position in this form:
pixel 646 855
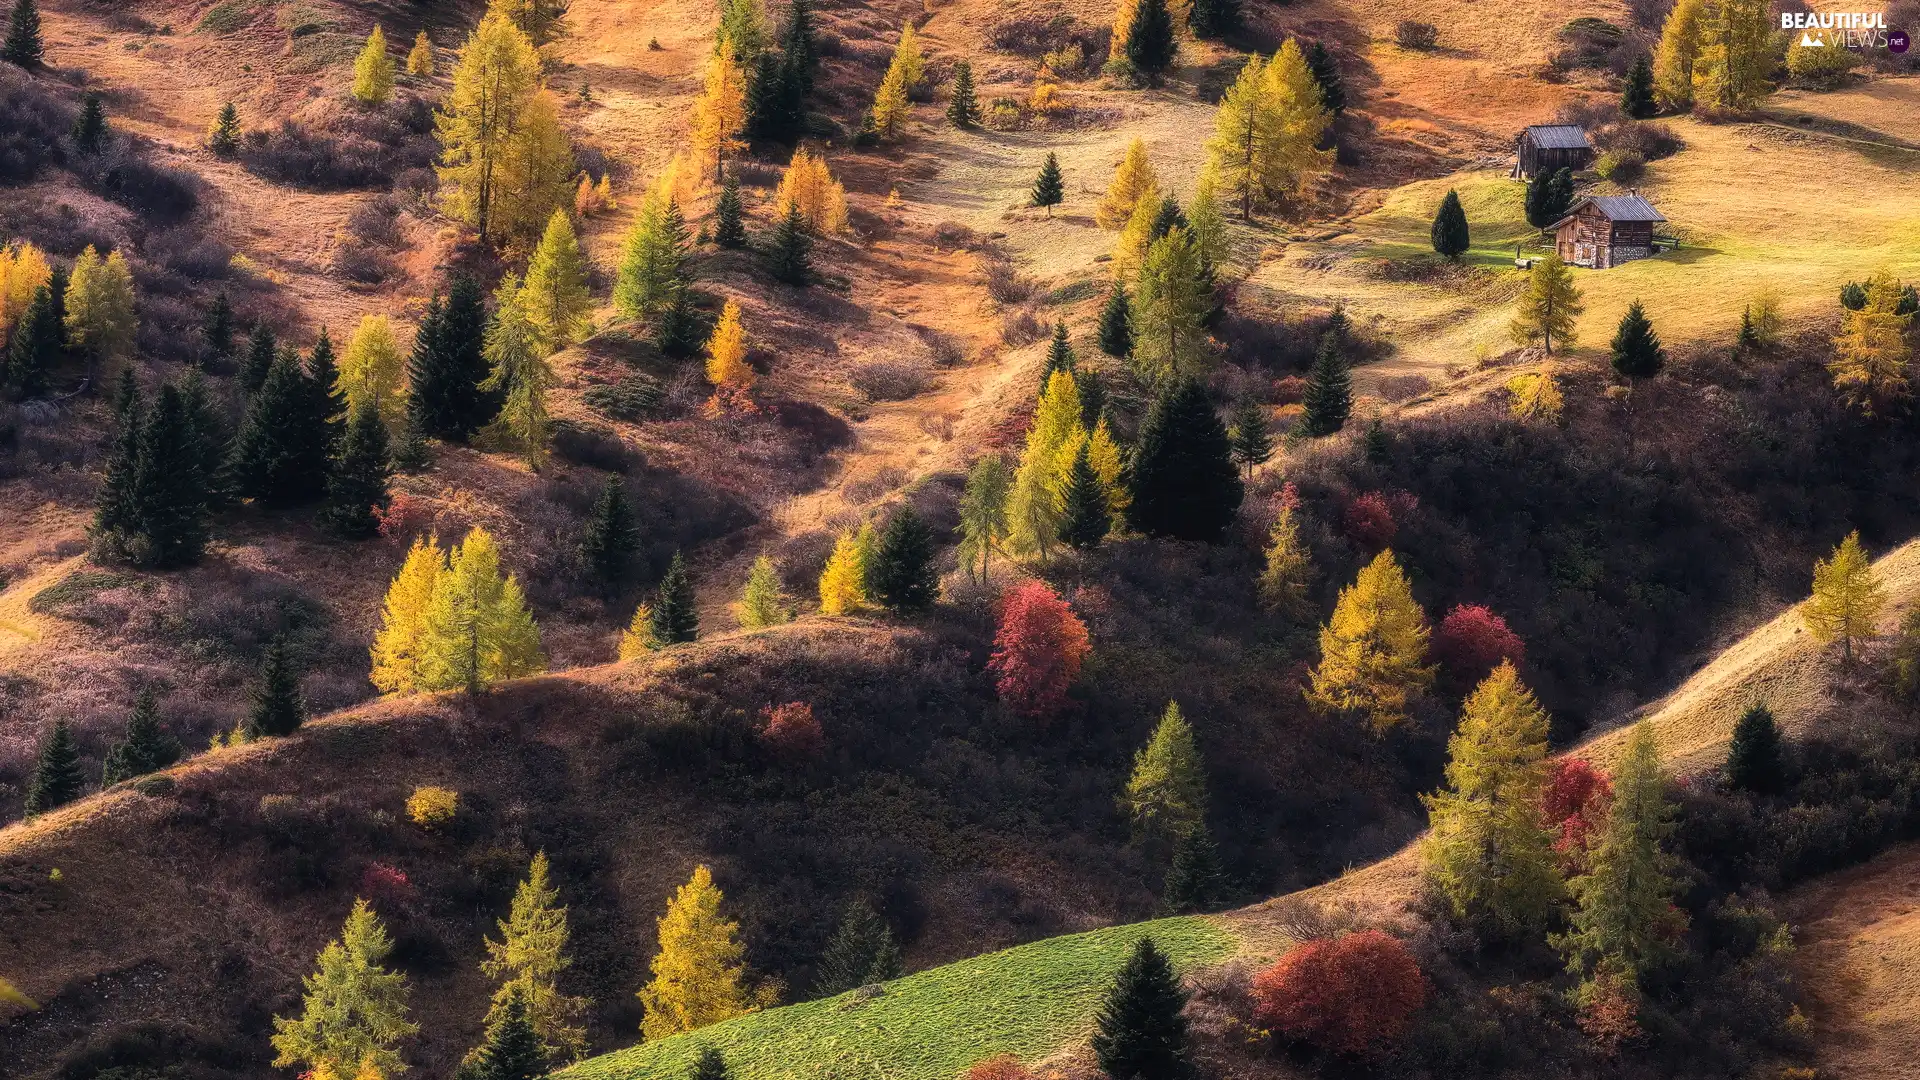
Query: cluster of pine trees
pixel 49 315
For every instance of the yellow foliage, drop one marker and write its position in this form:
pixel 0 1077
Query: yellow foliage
pixel 1283 584
pixel 23 269
pixel 1673 60
pixel 1871 355
pixel 373 70
pixel 420 59
pixel 99 302
pixel 11 996
pixel 586 197
pixel 555 291
pixel 1123 13
pixel 890 106
pixel 396 647
pixel 1373 651
pixel 537 169
pixel 494 82
pixel 372 371
pixel 1536 396
pixel 1847 597
pixel 843 583
pixel 698 978
pixel 1045 98
pixel 727 366
pixel 1104 455
pixel 808 185
pixel 721 113
pixel 637 640
pixel 1133 179
pixel 1131 249
pixel 477 629
pixel 1033 509
pixel 431 807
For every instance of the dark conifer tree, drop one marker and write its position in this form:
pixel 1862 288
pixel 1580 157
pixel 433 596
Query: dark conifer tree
pixel 145 748
pixel 963 109
pixel 1116 323
pixel 327 403
pixel 224 139
pixel 861 952
pixel 710 1064
pixel 764 97
pixel 778 94
pixel 1636 348
pixel 903 576
pixel 56 779
pixel 1093 397
pixel 113 513
pixel 35 347
pixel 261 351
pixel 1085 519
pixel 1167 217
pixel 278 707
pixel 1140 1033
pixel 1326 72
pixel 1748 337
pixel 512 1050
pixel 1559 196
pixel 1539 202
pixel 790 258
pixel 1193 881
pixel 674 617
pixel 680 331
pixel 281 454
pixel 463 335
pixel 608 544
pixel 729 217
pixel 1151 45
pixel 1449 233
pixel 1251 443
pixel 1636 98
pixel 1059 354
pixel 1048 188
pixel 1184 485
pixel 169 490
pixel 1329 395
pixel 1337 326
pixel 1375 443
pixel 23 46
pixel 412 455
pixel 1754 760
pixel 1853 296
pixel 90 128
pixel 357 483
pixel 58 281
pixel 216 332
pixel 1214 18
pixel 426 379
pixel 210 436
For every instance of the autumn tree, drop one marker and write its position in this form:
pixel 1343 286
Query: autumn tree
pixel 1736 57
pixel 1166 796
pixel 809 186
pixel 1033 506
pixel 1373 650
pixel 420 62
pixel 1184 484
pixel 1548 307
pixel 843 582
pixel 482 121
pixel 720 113
pixel 727 367
pixel 373 70
pixel 1348 995
pixel 528 960
pixel 742 30
pixel 983 513
pixel 904 72
pixel 1038 650
pixel 1288 573
pixel 372 373
pixel 698 977
pixel 1267 131
pixel 516 349
pixel 1472 641
pixel 861 952
pixel 100 317
pixel 555 291
pixel 398 645
pixel 144 747
pixel 1140 1032
pixel 1624 921
pixel 1754 758
pixel 1872 354
pixel 1677 53
pixel 763 602
pixel 1132 179
pixel 1170 305
pixel 355 1009
pixel 1847 597
pixel 1488 849
pixel 55 780
pixel 476 629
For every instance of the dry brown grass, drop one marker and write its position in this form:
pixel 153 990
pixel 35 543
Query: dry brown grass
pixel 1858 933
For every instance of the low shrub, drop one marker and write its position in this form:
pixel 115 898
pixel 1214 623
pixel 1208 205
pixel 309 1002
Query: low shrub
pixel 1410 34
pixel 1350 995
pixel 890 380
pixel 1621 166
pixel 33 123
pixel 791 730
pixel 591 445
pixel 634 397
pixel 432 807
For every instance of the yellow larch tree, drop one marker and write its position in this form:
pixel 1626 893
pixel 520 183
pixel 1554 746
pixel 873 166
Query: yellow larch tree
pixel 1847 597
pixel 1131 180
pixel 638 639
pixel 843 583
pixel 720 115
pixel 1736 55
pixel 555 293
pixel 1033 508
pixel 477 629
pixel 1130 250
pixel 100 315
pixel 517 352
pixel 537 172
pixel 809 185
pixel 23 269
pixel 1548 308
pixel 908 58
pixel 1123 14
pixel 1103 453
pixel 496 77
pixel 1245 131
pixel 890 106
pixel 528 960
pixel 1678 51
pixel 373 70
pixel 420 59
pixel 1301 119
pixel 1871 356
pixel 396 647
pixel 1373 651
pixel 698 977
pixel 372 371
pixel 727 366
pixel 1288 574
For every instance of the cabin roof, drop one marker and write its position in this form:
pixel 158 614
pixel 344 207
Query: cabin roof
pixel 1614 208
pixel 1558 136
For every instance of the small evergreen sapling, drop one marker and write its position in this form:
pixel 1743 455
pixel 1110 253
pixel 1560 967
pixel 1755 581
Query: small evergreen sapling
pixel 1116 324
pixel 729 227
pixel 1636 349
pixel 1059 354
pixel 861 952
pixel 1252 445
pixel 963 110
pixel 216 332
pixel 610 539
pixel 790 256
pixel 1140 1032
pixel 1754 756
pixel 1048 188
pixel 711 1064
pixel 1329 395
pixel 145 747
pixel 902 575
pixel 1449 233
pixel 1193 881
pixel 1084 516
pixel 673 617
pixel 1636 97
pixel 278 707
pixel 259 360
pixel 223 138
pixel 90 129
pixel 56 779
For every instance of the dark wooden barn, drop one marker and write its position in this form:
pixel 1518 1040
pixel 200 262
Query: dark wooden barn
pixel 1550 148
pixel 1603 231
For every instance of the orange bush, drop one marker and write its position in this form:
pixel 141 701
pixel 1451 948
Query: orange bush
pixel 1038 651
pixel 1348 995
pixel 999 1067
pixel 792 729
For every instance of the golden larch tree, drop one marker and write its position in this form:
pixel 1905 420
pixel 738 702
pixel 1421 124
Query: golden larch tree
pixel 537 173
pixel 1736 58
pixel 1373 651
pixel 478 629
pixel 355 1010
pixel 1871 356
pixel 100 316
pixel 1130 250
pixel 698 978
pixel 397 645
pixel 1548 307
pixel 843 582
pixel 1296 160
pixel 372 371
pixel 373 70
pixel 1678 51
pixel 1847 597
pixel 1171 302
pixel 1166 795
pixel 555 292
pixel 517 352
pixel 1288 574
pixel 727 366
pixel 1033 508
pixel 1131 180
pixel 528 960
pixel 496 77
pixel 420 60
pixel 720 115
pixel 23 269
pixel 809 185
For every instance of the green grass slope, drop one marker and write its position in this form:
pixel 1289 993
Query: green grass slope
pixel 1027 1001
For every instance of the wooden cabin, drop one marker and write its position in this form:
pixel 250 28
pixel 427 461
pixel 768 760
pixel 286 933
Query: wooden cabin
pixel 1603 231
pixel 1549 148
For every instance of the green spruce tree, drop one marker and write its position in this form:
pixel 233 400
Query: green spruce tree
pixel 790 255
pixel 145 747
pixel 1184 484
pixel 278 707
pixel 1748 337
pixel 1754 759
pixel 23 47
pixel 729 216
pixel 1329 394
pixel 902 574
pixel 512 1050
pixel 113 514
pixel 679 331
pixel 168 497
pixel 1116 324
pixel 56 779
pixel 1326 73
pixel 673 617
pixel 280 457
pixel 1193 881
pixel 963 109
pixel 1539 200
pixel 1636 348
pixel 1636 98
pixel 357 482
pixel 261 351
pixel 224 139
pixel 611 538
pixel 90 127
pixel 1140 1033
pixel 1449 232
pixel 35 347
pixel 412 455
pixel 1049 189
pixel 448 365
pixel 216 332
pixel 1059 355
pixel 1252 446
pixel 1085 514
pixel 1214 18
pixel 861 952
pixel 1559 196
pixel 1152 46
pixel 212 441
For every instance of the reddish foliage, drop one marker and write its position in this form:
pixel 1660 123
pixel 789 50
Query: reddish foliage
pixel 385 883
pixel 792 730
pixel 1291 390
pixel 999 1067
pixel 1609 1016
pixel 1287 498
pixel 1369 522
pixel 1575 802
pixel 1472 641
pixel 1038 651
pixel 402 517
pixel 1347 995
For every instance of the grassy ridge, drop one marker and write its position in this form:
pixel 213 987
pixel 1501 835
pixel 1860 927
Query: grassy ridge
pixel 1029 1000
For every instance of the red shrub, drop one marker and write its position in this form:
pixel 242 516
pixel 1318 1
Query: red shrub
pixel 1472 641
pixel 402 517
pixel 1369 522
pixel 1347 995
pixel 999 1067
pixel 1291 390
pixel 792 730
pixel 1038 651
pixel 384 883
pixel 1575 802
